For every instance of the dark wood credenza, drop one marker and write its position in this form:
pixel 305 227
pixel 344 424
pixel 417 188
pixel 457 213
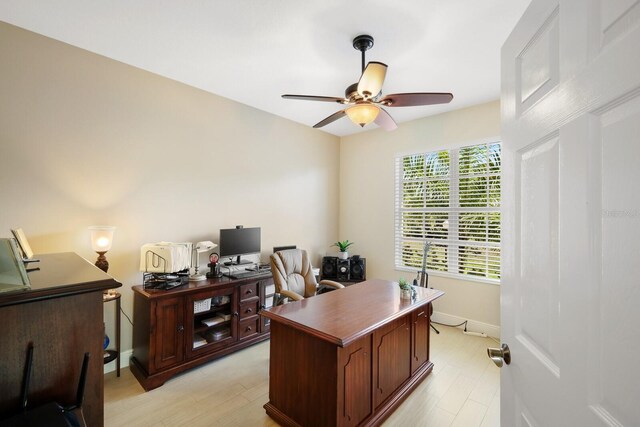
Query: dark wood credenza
pixel 61 315
pixel 348 357
pixel 169 335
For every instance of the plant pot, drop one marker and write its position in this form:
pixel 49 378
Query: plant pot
pixel 343 255
pixel 405 293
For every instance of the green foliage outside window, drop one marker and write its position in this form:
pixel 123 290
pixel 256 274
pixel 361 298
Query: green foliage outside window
pixel 451 198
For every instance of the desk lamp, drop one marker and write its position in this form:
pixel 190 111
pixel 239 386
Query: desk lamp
pixel 101 239
pixel 200 247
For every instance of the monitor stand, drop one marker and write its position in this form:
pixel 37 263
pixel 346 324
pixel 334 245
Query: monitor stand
pixel 238 261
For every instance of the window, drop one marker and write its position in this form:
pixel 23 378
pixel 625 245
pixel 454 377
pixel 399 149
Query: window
pixel 451 199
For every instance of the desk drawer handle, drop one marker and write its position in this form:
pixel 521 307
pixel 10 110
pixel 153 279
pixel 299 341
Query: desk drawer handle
pixel 249 291
pixel 248 310
pixel 248 329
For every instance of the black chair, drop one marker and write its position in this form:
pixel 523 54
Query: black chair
pixel 50 414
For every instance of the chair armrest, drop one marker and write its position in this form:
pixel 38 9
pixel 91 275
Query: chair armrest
pixel 331 284
pixel 291 295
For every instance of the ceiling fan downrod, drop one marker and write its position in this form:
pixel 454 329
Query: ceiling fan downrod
pixel 363 43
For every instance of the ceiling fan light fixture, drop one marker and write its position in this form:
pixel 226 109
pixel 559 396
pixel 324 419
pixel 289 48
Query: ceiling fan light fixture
pixel 363 114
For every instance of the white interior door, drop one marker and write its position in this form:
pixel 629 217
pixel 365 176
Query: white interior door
pixel 571 215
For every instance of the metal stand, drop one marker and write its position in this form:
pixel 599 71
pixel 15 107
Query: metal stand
pixel 424 281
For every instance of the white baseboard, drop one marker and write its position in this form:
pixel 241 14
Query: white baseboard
pixel 472 325
pixel 124 362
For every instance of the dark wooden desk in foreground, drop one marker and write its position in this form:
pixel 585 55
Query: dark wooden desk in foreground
pixel 62 316
pixel 348 357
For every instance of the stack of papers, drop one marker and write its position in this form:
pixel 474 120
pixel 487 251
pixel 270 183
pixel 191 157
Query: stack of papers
pixel 213 320
pixel 198 341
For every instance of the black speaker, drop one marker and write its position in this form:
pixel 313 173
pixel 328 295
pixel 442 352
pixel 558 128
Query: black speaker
pixel 343 269
pixel 329 267
pixel 358 268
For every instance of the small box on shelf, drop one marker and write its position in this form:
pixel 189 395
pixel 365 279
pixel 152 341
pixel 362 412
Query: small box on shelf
pixel 202 305
pixel 214 335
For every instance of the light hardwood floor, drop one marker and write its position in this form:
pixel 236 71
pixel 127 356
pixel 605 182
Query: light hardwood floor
pixel 462 391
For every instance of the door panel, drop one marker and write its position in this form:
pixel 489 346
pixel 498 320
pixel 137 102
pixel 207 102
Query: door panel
pixel 169 333
pixel 537 326
pixel 617 293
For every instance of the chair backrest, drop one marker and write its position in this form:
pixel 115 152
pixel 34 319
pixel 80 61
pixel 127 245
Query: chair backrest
pixel 292 271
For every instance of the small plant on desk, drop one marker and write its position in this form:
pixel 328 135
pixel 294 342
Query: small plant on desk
pixel 405 288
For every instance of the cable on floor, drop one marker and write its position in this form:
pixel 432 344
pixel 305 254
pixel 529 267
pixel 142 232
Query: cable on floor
pixel 453 326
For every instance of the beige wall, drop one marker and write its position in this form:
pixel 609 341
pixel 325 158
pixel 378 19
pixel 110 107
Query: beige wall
pixel 367 200
pixel 85 140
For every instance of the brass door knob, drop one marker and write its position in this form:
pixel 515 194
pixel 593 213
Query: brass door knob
pixel 500 356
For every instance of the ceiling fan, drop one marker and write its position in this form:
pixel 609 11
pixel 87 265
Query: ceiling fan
pixel 365 98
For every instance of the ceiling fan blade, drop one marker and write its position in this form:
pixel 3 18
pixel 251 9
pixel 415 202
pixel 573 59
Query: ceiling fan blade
pixel 385 121
pixel 372 78
pixel 332 118
pixel 415 99
pixel 316 98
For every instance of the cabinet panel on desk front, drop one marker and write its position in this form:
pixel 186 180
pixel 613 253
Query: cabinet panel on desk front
pixel 420 338
pixel 392 357
pixel 354 382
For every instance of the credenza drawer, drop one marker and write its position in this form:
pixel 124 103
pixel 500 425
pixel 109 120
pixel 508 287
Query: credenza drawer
pixel 248 328
pixel 248 291
pixel 249 309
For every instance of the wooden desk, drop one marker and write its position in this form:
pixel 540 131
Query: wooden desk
pixel 348 357
pixel 62 316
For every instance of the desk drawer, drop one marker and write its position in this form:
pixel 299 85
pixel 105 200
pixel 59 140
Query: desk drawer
pixel 248 291
pixel 249 309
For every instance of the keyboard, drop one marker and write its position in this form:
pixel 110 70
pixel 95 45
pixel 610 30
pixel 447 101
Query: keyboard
pixel 246 274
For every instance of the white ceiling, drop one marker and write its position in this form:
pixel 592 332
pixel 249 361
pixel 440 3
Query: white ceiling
pixel 255 51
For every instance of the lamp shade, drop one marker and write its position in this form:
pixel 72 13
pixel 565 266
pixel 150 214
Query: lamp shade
pixel 205 246
pixel 363 114
pixel 371 80
pixel 101 237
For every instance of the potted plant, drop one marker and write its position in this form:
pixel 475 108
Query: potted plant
pixel 343 246
pixel 405 288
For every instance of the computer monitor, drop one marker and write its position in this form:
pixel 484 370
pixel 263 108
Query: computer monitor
pixel 235 242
